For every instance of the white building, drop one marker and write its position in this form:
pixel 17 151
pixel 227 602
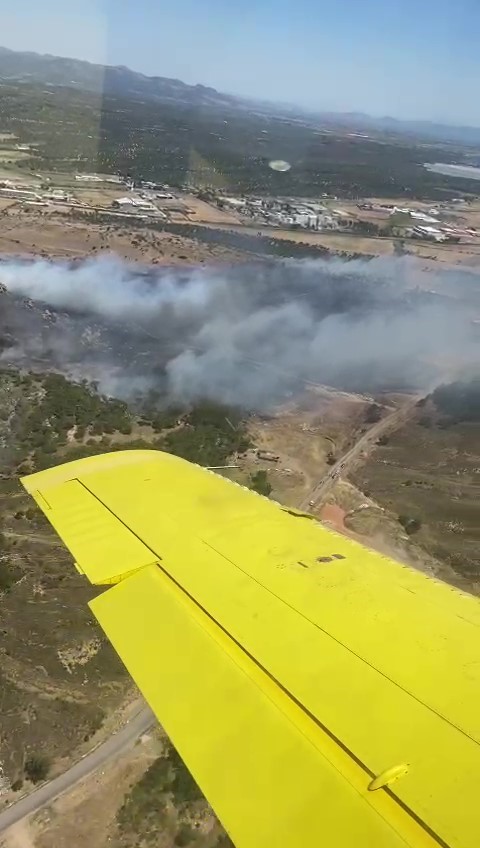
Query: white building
pixel 136 203
pixel 429 233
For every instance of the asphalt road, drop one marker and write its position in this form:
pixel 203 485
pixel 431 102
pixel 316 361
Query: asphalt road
pixel 113 747
pixel 344 464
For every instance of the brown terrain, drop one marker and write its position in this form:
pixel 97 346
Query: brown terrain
pixel 28 233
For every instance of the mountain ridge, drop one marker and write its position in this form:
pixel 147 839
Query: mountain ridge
pixel 120 80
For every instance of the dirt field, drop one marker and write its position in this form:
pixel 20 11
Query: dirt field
pixel 23 232
pixel 205 212
pixel 431 473
pixel 302 436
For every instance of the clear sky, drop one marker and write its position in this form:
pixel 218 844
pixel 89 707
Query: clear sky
pixel 406 58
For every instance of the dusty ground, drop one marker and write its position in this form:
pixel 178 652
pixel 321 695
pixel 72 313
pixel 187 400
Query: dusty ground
pixel 23 232
pixel 198 210
pixel 302 435
pixel 86 817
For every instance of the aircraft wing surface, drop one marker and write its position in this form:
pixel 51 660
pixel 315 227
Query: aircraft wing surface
pixel 319 693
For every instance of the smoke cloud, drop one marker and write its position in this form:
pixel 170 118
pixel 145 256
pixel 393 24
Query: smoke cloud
pixel 247 334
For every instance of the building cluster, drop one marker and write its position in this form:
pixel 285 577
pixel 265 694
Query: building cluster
pixel 426 225
pixel 32 194
pixel 141 200
pixel 285 212
pixel 442 233
pixel 388 208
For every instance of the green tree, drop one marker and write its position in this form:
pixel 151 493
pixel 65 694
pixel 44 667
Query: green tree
pixel 373 413
pixel 7 578
pixel 259 483
pixel 37 767
pixel 411 525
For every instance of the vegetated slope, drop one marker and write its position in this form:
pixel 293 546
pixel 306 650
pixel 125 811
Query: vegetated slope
pixel 30 67
pixel 58 674
pixel 428 474
pixel 81 117
pixel 166 808
pixel 117 79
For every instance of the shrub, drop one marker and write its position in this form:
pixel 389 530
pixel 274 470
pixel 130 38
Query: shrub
pixel 37 767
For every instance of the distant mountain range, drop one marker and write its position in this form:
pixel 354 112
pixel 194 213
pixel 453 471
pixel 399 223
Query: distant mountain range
pixel 114 80
pixel 122 81
pixel 421 129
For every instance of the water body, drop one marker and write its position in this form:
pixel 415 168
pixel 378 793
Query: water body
pixel 468 172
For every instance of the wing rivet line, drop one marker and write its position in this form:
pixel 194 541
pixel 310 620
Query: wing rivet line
pixel 388 776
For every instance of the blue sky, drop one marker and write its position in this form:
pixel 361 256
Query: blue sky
pixel 406 58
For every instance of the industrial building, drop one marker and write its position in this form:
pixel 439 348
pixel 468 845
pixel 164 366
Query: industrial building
pixel 134 203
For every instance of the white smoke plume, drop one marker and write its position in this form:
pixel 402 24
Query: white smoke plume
pixel 249 334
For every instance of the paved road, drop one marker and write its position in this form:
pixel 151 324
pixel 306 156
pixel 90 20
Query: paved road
pixel 110 749
pixel 389 422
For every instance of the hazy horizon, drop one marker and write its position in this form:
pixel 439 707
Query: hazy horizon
pixel 400 61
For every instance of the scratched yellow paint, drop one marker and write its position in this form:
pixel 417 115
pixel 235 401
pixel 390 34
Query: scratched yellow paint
pixel 384 658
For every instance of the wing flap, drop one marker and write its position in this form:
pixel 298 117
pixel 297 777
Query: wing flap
pixel 104 548
pixel 273 776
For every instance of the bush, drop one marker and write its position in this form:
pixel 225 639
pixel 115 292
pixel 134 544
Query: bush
pixel 37 767
pixel 184 835
pixel 259 483
pixel 411 525
pixel 184 788
pixel 373 413
pixel 17 784
pixel 7 577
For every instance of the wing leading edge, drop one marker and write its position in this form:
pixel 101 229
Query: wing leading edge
pixel 290 666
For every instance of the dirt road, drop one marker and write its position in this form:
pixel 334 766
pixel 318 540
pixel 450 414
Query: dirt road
pixel 110 749
pixel 344 464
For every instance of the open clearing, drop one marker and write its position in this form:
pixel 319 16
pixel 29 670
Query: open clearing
pixel 24 233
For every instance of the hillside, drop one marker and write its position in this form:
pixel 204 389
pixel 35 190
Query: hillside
pixel 114 80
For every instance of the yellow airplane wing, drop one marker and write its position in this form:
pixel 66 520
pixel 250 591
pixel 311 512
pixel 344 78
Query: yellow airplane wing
pixel 319 693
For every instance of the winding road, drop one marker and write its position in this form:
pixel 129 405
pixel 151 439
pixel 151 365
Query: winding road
pixel 108 750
